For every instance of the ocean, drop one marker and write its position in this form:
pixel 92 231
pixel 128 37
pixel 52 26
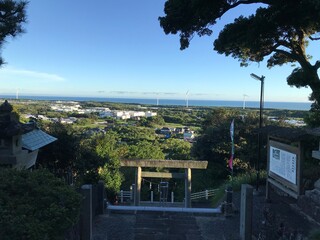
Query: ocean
pixel 176 102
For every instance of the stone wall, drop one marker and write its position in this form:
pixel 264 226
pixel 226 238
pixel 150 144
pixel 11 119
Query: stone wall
pixel 310 202
pixel 93 204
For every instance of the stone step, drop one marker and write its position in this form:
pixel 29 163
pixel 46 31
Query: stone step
pixel 167 237
pixel 166 221
pixel 166 226
pixel 150 230
pixel 182 230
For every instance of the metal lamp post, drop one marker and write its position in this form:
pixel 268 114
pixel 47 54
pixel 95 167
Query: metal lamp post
pixel 261 79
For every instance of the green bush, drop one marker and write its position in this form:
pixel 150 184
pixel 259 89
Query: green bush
pixel 315 235
pixel 236 182
pixel 35 205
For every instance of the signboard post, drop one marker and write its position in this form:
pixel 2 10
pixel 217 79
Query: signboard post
pixel 284 168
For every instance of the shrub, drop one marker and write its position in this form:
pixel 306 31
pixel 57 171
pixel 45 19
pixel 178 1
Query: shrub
pixel 247 178
pixel 35 205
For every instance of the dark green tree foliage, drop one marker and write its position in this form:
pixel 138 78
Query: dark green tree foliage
pixel 214 144
pixel 152 121
pixel 60 155
pixel 313 117
pixel 179 116
pixel 99 159
pixel 88 161
pixel 286 113
pixel 213 138
pixel 35 205
pixel 176 149
pixel 278 31
pixel 145 150
pixel 96 152
pixel 109 149
pixel 133 134
pixel 12 18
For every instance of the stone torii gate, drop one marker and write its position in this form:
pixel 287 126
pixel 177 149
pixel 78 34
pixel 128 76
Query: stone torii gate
pixel 187 165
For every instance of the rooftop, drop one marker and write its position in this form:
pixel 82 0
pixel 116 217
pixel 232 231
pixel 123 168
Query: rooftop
pixel 36 139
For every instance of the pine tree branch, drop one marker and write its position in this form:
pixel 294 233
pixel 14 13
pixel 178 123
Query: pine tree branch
pixel 314 38
pixel 237 3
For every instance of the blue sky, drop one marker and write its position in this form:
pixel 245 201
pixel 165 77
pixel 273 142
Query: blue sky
pixel 117 48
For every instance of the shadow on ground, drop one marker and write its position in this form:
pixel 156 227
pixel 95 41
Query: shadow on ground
pixel 271 220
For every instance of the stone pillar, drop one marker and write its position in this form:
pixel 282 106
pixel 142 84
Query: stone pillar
pixel 86 213
pixel 228 205
pixel 246 212
pixel 133 193
pixel 268 199
pixel 187 187
pixel 101 198
pixel 138 187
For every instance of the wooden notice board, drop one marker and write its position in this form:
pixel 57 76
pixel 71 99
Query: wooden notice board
pixel 284 167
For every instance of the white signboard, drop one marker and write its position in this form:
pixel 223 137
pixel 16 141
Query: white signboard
pixel 284 164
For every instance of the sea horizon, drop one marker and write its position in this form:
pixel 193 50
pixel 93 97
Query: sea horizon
pixel 305 106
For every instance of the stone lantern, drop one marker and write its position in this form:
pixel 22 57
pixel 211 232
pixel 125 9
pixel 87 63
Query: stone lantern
pixel 19 143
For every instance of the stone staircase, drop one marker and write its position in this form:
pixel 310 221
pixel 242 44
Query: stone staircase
pixel 147 225
pixel 166 226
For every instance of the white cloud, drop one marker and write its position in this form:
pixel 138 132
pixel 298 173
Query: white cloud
pixel 21 74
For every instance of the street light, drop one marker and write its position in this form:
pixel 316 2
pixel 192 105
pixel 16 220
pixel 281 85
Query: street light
pixel 261 79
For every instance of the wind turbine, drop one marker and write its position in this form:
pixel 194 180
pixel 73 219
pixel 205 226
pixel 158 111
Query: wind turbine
pixel 17 93
pixel 244 101
pixel 157 99
pixel 187 101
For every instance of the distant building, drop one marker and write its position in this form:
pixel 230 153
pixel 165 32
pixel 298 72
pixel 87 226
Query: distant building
pixel 106 114
pixel 179 130
pixel 122 115
pixel 19 143
pixel 165 130
pixel 103 112
pixel 150 114
pixel 71 107
pixel 67 120
pixel 188 136
pixel 186 129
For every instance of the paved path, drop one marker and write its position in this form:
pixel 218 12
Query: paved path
pixel 114 227
pixel 163 226
pixel 270 220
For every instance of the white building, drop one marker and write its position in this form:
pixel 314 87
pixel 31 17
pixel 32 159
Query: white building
pixel 150 114
pixel 106 114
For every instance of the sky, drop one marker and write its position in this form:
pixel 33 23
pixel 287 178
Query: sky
pixel 116 48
